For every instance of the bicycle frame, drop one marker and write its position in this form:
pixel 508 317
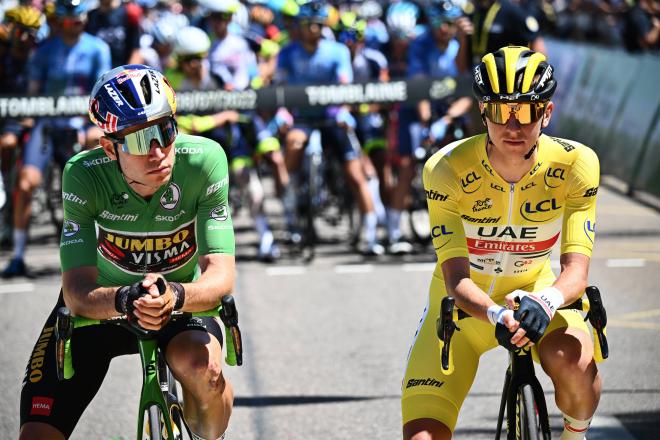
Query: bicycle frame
pixel 520 371
pixel 151 392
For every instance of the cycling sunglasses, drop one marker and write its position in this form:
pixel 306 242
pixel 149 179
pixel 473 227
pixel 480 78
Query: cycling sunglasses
pixel 139 142
pixel 221 16
pixel 524 112
pixel 25 34
pixel 189 58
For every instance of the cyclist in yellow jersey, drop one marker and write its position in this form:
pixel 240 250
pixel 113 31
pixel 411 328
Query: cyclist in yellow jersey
pixel 497 204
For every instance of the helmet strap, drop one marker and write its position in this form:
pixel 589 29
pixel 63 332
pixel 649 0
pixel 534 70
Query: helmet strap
pixel 114 144
pixel 531 151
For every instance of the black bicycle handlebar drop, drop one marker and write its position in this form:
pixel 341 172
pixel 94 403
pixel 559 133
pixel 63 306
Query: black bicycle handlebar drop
pixel 445 327
pixel 229 317
pixel 63 331
pixel 598 318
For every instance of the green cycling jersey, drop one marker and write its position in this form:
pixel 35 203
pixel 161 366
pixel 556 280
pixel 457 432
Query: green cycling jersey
pixel 110 226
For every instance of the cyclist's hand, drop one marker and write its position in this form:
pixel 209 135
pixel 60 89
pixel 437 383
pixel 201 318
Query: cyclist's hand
pixel 227 117
pixel 438 130
pixel 506 327
pixel 464 26
pixel 536 311
pixel 153 310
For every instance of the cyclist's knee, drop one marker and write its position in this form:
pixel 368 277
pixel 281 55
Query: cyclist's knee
pixel 192 359
pixel 566 354
pixel 32 430
pixel 426 429
pixel 29 178
pixel 295 140
pixel 8 140
pixel 355 172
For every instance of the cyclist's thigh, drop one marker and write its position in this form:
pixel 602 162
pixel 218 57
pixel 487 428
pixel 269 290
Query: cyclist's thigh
pixel 407 116
pixel 568 318
pixel 60 404
pixel 206 324
pixel 39 148
pixel 337 139
pixel 427 392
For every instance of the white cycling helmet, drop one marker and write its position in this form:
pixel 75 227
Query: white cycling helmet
pixel 402 18
pixel 164 31
pixel 191 40
pixel 370 9
pixel 229 6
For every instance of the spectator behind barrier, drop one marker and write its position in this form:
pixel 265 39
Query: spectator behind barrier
pixel 66 64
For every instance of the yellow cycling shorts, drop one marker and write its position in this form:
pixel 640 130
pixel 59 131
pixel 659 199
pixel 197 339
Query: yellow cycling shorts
pixel 429 393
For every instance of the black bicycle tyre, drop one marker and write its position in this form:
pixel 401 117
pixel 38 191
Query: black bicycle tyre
pixel 312 201
pixel 154 421
pixel 528 426
pixel 175 404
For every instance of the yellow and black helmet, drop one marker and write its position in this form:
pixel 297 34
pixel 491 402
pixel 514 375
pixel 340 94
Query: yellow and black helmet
pixel 27 16
pixel 514 74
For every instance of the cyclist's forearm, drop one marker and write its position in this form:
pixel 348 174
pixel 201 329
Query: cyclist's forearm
pixel 573 279
pixel 469 297
pixel 459 107
pixel 88 299
pixel 216 281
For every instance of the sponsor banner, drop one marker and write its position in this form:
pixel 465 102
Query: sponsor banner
pixel 159 252
pixel 211 101
pixel 481 247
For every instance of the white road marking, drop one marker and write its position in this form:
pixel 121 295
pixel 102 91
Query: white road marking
pixel 16 288
pixel 286 270
pixel 419 267
pixel 353 268
pixel 626 262
pixel 605 427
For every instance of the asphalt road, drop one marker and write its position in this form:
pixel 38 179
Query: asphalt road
pixel 325 343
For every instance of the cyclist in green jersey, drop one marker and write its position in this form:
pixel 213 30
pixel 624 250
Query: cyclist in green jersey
pixel 148 205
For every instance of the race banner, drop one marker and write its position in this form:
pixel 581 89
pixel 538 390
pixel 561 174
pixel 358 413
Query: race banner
pixel 211 101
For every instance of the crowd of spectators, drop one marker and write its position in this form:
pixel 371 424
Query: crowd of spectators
pixel 60 47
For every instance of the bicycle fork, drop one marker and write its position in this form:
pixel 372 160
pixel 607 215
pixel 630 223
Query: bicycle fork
pixel 151 388
pixel 521 367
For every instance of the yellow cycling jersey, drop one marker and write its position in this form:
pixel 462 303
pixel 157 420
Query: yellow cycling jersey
pixel 507 230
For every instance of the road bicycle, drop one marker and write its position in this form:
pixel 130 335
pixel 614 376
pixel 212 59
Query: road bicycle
pixel 322 193
pixel 522 396
pixel 159 397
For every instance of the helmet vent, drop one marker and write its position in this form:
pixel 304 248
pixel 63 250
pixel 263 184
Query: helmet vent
pixel 146 89
pixel 128 93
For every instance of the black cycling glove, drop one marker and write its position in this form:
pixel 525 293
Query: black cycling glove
pixel 504 336
pixel 533 318
pixel 126 295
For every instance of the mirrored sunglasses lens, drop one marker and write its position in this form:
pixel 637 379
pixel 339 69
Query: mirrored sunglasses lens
pixel 525 113
pixel 139 142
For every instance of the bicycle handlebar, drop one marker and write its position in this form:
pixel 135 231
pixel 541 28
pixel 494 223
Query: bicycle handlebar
pixel 445 327
pixel 593 305
pixel 66 322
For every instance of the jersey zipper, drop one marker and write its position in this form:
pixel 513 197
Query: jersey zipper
pixel 512 189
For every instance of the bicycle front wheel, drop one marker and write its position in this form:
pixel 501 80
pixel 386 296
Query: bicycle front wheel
pixel 527 426
pixel 155 425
